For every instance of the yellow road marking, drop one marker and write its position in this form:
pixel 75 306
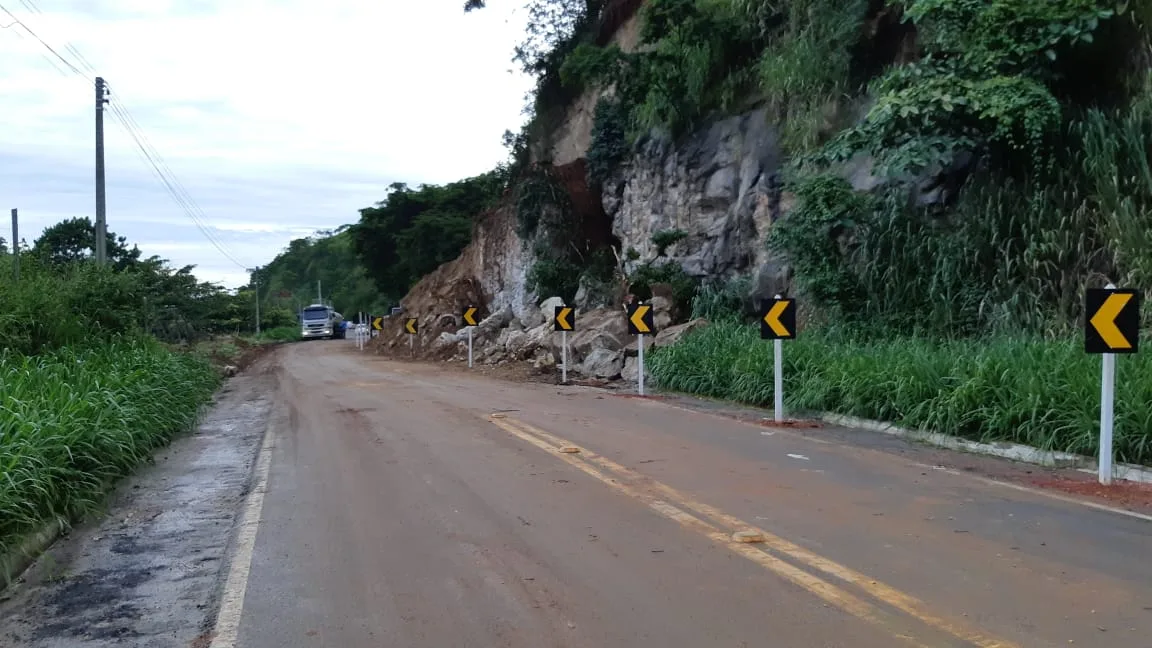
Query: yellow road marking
pixel 823 589
pixel 910 605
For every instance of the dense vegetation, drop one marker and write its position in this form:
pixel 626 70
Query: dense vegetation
pixel 101 364
pixel 962 171
pixel 98 366
pixel 289 282
pixel 413 231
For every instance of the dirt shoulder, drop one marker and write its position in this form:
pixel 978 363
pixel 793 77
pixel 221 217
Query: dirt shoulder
pixel 146 574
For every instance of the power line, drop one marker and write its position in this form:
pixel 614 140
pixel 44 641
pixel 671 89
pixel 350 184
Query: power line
pixel 42 42
pixel 175 189
pixel 148 152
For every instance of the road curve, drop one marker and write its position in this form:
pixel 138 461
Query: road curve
pixel 406 505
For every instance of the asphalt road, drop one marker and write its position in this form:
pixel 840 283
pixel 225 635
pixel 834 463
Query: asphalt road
pixel 408 505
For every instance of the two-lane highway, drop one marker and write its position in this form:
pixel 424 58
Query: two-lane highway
pixel 406 505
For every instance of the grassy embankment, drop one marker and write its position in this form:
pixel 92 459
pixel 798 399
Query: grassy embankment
pixel 85 396
pixel 996 388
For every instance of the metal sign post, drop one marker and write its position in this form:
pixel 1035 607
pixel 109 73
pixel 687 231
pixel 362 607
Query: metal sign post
pixel 1107 400
pixel 564 357
pixel 778 381
pixel 640 363
pixel 1111 326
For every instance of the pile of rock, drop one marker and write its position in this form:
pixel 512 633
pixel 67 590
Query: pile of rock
pixel 600 347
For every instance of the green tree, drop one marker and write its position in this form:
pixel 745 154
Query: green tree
pixel 413 231
pixel 74 239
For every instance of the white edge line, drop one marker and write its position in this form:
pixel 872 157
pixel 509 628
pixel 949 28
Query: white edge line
pixel 1055 496
pixel 227 626
pixel 980 478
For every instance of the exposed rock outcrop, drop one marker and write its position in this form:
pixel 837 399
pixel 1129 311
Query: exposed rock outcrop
pixel 720 186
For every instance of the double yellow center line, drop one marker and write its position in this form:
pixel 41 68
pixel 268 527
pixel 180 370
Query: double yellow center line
pixel 918 626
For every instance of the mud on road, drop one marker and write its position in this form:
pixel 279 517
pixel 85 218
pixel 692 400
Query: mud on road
pixel 147 573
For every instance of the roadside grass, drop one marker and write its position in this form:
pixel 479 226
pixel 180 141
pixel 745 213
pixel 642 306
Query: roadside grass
pixel 238 350
pixel 73 421
pixel 1043 393
pixel 278 334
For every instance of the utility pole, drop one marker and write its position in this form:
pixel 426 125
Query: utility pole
pixel 319 294
pixel 256 280
pixel 101 247
pixel 15 248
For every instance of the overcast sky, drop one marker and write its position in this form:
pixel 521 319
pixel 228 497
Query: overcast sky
pixel 278 117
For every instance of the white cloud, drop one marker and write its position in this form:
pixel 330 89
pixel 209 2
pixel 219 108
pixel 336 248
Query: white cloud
pixel 279 117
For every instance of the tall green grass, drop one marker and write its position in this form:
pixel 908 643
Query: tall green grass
pixel 998 388
pixel 72 421
pixel 279 334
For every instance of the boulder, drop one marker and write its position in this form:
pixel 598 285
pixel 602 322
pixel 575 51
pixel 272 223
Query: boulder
pixel 631 371
pixel 605 328
pixel 543 360
pixel 548 308
pixel 531 318
pixel 489 326
pixel 603 363
pixel 514 341
pixel 672 334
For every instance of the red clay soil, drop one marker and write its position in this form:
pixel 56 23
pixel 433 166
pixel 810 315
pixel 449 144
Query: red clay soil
pixel 1121 493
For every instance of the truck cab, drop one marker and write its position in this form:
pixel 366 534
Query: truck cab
pixel 321 321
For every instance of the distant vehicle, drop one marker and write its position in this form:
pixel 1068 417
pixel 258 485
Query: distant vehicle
pixel 320 321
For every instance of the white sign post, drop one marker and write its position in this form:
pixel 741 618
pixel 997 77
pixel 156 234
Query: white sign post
pixel 1107 399
pixel 564 357
pixel 778 379
pixel 640 362
pixel 778 404
pixel 469 347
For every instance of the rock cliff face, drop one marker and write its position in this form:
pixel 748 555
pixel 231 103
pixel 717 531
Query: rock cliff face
pixel 490 274
pixel 720 186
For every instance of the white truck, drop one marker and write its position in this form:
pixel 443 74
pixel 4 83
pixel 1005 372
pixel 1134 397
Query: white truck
pixel 321 321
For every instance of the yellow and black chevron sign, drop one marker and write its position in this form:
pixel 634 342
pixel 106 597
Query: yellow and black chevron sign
pixel 1111 320
pixel 470 315
pixel 640 319
pixel 412 325
pixel 565 319
pixel 778 321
